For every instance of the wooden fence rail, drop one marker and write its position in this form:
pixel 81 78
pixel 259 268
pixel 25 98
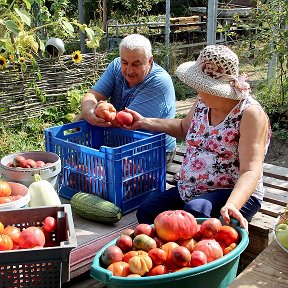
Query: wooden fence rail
pixel 26 94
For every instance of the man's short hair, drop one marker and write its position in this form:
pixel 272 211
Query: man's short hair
pixel 136 41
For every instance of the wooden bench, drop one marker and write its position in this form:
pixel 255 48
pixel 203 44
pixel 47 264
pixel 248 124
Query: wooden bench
pixel 275 200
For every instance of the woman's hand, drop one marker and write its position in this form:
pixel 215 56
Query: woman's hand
pixel 229 210
pixel 138 120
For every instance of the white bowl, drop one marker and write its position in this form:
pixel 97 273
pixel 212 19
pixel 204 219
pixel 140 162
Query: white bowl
pixel 17 189
pixel 282 218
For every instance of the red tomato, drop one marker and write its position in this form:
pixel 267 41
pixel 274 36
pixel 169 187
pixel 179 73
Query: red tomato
pixel 211 248
pixel 210 227
pixel 144 229
pixel 4 200
pixel 31 237
pixel 157 270
pixel 227 235
pixel 19 161
pixel 6 242
pixel 119 268
pixel 50 224
pixel 124 118
pixel 5 189
pixel 111 255
pixel 198 258
pixel 157 255
pixel 124 242
pixel 172 225
pixel 180 256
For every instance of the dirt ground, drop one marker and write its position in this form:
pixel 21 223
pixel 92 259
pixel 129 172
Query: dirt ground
pixel 277 153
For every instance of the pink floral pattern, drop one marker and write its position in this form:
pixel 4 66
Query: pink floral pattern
pixel 212 159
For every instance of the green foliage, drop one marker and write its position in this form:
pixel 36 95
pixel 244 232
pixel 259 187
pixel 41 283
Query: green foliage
pixel 133 9
pixel 268 95
pixel 27 137
pixel 25 26
pixel 66 114
pixel 182 90
pixel 269 40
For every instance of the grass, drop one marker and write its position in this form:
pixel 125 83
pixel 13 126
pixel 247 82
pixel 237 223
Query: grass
pixel 21 139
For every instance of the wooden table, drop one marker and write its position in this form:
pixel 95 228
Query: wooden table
pixel 269 269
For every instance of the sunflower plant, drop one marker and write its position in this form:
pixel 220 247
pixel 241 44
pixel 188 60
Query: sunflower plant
pixel 76 56
pixel 25 25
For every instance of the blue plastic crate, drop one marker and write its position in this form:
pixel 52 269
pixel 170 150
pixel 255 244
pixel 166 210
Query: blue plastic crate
pixel 118 165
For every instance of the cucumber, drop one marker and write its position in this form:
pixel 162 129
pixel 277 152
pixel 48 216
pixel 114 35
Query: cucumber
pixel 95 208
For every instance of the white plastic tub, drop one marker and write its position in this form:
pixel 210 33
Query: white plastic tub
pixel 17 189
pixel 25 176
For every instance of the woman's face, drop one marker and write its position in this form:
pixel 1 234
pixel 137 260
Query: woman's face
pixel 215 102
pixel 211 101
pixel 134 65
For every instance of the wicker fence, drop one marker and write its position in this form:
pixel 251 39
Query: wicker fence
pixel 25 95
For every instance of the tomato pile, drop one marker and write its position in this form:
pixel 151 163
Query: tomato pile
pixel 13 238
pixel 176 242
pixel 5 193
pixel 21 162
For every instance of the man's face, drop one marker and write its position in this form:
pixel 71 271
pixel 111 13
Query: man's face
pixel 134 65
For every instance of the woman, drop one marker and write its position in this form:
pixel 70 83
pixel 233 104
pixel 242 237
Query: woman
pixel 227 134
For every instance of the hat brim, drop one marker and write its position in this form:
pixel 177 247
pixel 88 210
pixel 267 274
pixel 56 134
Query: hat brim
pixel 191 74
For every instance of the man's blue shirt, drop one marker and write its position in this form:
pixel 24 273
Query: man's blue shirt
pixel 154 97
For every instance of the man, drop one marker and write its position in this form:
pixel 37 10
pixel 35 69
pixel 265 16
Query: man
pixel 135 81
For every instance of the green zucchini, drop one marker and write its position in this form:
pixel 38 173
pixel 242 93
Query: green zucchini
pixel 94 208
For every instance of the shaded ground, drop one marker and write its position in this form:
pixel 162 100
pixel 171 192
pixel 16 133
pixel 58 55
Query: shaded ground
pixel 277 153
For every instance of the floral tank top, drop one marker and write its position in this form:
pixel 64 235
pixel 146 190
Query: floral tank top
pixel 212 158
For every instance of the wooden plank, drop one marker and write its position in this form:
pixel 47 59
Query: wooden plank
pixel 276 171
pixel 276 196
pixel 271 209
pixel 269 270
pixel 276 183
pixel 262 223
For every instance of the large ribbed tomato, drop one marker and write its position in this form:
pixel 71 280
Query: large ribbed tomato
pixel 6 242
pixel 13 232
pixel 173 225
pixel 210 247
pixel 140 264
pixel 31 237
pixel 119 268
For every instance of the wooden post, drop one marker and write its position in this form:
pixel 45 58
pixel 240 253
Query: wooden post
pixel 104 19
pixel 167 33
pixel 212 21
pixel 82 21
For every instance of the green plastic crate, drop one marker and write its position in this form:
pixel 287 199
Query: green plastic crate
pixel 217 274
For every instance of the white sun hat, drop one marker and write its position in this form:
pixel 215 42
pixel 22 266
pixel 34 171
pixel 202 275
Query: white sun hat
pixel 215 72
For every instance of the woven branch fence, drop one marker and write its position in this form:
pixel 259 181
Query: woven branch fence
pixel 25 95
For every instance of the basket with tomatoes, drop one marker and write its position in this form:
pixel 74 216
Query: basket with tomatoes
pixel 13 195
pixel 176 251
pixel 21 167
pixel 35 245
